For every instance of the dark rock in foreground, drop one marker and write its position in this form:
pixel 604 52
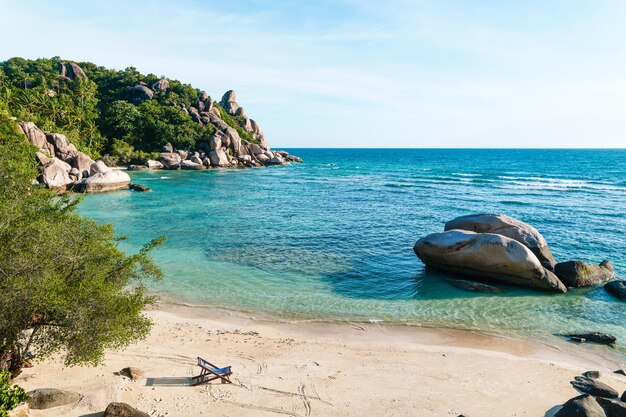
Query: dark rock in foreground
pixel 616 289
pixel 486 256
pixel 474 286
pixel 44 398
pixel 581 406
pixel 591 374
pixel 612 408
pixel 595 337
pixel 581 274
pixel 594 387
pixel 123 410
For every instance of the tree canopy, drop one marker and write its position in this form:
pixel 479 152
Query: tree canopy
pixel 65 286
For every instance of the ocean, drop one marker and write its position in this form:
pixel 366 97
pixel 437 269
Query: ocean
pixel 331 239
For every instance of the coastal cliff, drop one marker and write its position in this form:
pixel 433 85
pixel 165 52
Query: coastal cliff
pixel 80 113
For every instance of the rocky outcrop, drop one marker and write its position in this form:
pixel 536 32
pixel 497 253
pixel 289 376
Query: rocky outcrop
pixel 486 256
pixel 44 398
pixel 616 289
pixel 163 85
pixel 509 227
pixel 71 71
pixel 63 167
pixel 140 93
pixel 582 406
pixel 123 410
pixel 581 274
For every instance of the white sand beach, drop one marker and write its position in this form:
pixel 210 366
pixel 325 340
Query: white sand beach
pixel 321 369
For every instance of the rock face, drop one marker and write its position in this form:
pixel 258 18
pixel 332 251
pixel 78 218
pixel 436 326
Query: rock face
pixel 44 398
pixel 581 406
pixel 486 256
pixel 162 85
pixel 509 227
pixel 123 410
pixel 71 71
pixel 582 274
pixel 593 387
pixel 617 289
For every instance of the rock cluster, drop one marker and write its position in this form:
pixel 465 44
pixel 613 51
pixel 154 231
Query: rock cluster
pixel 63 167
pixel 597 400
pixel 503 249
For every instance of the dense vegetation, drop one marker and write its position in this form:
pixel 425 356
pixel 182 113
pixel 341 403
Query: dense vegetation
pixel 10 395
pixel 64 284
pixel 98 114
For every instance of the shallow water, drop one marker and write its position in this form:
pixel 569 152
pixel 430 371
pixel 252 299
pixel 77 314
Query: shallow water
pixel 332 238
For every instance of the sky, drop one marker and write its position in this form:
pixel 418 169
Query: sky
pixel 358 73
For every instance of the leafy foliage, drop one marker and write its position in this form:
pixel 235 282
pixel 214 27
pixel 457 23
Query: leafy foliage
pixel 97 113
pixel 64 284
pixel 10 395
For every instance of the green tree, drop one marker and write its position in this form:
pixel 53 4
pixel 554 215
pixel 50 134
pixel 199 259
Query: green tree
pixel 10 395
pixel 65 286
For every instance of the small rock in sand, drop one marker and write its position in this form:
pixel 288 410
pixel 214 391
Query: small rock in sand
pixel 593 387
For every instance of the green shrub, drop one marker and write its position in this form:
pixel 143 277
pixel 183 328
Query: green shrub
pixel 10 395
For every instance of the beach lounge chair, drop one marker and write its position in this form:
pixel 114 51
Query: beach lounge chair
pixel 210 372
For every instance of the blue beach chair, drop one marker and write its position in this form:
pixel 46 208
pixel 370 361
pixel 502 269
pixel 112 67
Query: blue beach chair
pixel 210 372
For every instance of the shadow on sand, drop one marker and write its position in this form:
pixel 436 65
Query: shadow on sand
pixel 172 381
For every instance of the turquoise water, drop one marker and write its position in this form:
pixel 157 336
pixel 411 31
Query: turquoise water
pixel 332 238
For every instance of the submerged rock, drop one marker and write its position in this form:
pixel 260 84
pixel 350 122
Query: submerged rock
pixel 593 387
pixel 509 227
pixel 582 406
pixel 595 337
pixel 139 187
pixel 616 289
pixel 44 398
pixel 486 256
pixel 474 286
pixel 582 274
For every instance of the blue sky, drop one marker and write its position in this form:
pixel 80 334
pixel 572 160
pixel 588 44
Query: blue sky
pixel 349 73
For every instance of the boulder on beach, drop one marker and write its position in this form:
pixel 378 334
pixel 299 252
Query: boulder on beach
pixel 616 289
pixel 132 372
pixel 582 406
pixel 594 387
pixel 170 160
pixel 55 174
pixel 123 410
pixel 44 398
pixel 581 274
pixel 612 407
pixel 486 256
pixel 509 227
pixel 152 164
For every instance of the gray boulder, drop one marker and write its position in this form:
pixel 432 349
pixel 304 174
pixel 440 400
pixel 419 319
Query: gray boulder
pixel 44 398
pixel 151 164
pixel 168 147
pixel 71 71
pixel 190 165
pixel 593 387
pixel 616 289
pixel 56 174
pixel 162 85
pixel 35 135
pixel 141 93
pixel 99 167
pixel 170 160
pixel 99 182
pixel 123 410
pixel 82 163
pixel 581 406
pixel 141 188
pixel 582 274
pixel 509 227
pixel 595 337
pixel 229 102
pixel 486 256
pixel 218 158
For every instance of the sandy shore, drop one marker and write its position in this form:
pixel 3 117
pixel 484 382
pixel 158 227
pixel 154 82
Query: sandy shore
pixel 317 369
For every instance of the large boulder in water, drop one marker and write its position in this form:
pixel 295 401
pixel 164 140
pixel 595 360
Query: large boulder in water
pixel 509 227
pixel 582 274
pixel 99 182
pixel 617 289
pixel 486 256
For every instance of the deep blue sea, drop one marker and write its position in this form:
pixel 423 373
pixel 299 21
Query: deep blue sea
pixel 332 238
